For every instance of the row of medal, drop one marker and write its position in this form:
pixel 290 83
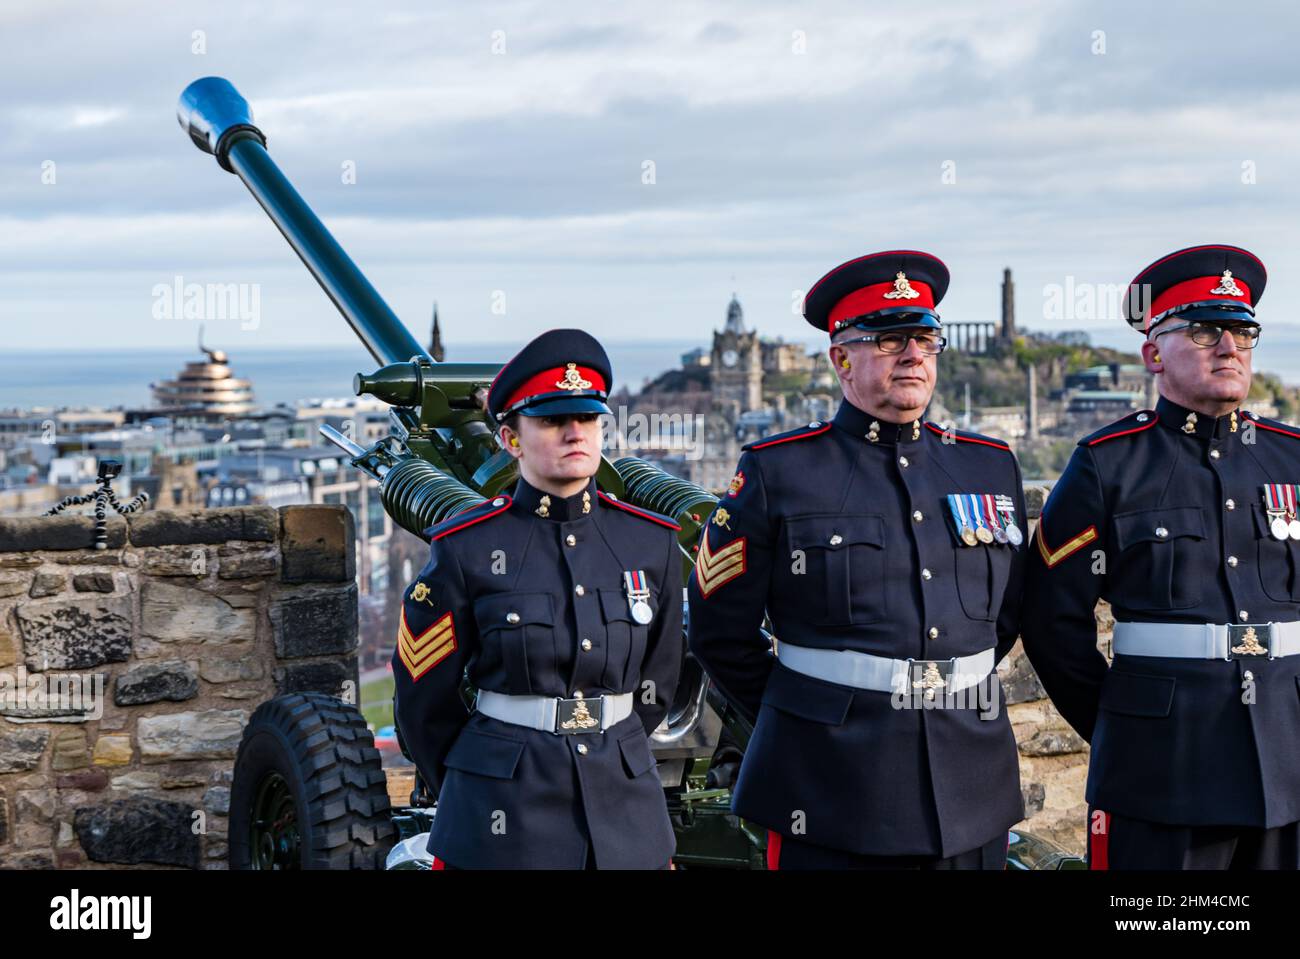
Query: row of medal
pixel 1280 501
pixel 985 518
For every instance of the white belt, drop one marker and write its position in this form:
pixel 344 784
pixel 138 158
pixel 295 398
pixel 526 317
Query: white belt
pixel 882 674
pixel 1208 641
pixel 563 717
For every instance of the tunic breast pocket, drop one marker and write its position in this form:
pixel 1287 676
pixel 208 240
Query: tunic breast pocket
pixel 625 638
pixel 1154 563
pixel 981 573
pixel 517 635
pixel 834 567
pixel 1279 562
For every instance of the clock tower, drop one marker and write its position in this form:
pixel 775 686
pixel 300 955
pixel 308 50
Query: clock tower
pixel 736 371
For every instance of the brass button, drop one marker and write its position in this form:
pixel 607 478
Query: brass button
pixel 1162 532
pixel 925 574
pixel 1230 504
pixel 1232 561
pixel 512 617
pixel 582 749
pixel 934 632
pixel 500 500
pixel 918 516
pixel 571 540
pixel 579 590
pixel 1248 676
pixel 1214 454
pixel 1243 615
pixel 1142 417
pixel 836 539
pixel 586 645
pixel 902 461
pixel 577 694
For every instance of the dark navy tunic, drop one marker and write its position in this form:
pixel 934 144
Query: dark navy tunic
pixel 537 606
pixel 1164 517
pixel 841 533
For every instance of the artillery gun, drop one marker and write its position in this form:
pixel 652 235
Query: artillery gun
pixel 309 790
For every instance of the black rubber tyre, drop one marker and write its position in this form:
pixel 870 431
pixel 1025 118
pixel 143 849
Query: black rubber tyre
pixel 309 789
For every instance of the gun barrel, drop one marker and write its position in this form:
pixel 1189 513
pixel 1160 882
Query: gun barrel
pixel 220 122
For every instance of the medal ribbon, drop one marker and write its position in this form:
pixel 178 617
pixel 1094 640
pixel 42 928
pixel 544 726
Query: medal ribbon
pixel 976 511
pixel 991 512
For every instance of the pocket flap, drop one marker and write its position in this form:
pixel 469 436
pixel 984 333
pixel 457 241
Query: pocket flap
pixel 1137 695
pixel 485 754
pixel 613 604
pixel 1144 526
pixel 494 612
pixel 635 748
pixel 835 530
pixel 806 697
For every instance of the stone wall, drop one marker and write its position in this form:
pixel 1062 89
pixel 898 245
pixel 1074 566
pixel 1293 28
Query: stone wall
pixel 188 621
pixel 1053 758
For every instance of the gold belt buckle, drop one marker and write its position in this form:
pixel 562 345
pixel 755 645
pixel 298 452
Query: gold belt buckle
pixel 575 716
pixel 929 676
pixel 1249 640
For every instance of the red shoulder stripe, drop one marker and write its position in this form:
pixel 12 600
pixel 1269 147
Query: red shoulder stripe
pixel 1155 418
pixel 636 511
pixel 788 439
pixel 970 439
pixel 477 519
pixel 1276 429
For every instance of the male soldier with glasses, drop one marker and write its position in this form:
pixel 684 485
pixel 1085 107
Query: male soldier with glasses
pixel 1185 519
pixel 888 553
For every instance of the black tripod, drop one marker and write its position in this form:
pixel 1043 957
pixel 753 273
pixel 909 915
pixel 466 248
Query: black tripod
pixel 103 495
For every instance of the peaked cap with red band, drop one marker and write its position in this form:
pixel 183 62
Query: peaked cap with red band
pixel 880 291
pixel 561 371
pixel 1214 282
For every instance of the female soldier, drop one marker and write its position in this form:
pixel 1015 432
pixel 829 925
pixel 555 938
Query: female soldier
pixel 565 605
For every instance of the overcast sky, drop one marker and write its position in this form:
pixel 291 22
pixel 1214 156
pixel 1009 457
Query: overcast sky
pixel 502 147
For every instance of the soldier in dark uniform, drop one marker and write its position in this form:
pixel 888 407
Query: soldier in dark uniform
pixel 565 606
pixel 888 553
pixel 1183 518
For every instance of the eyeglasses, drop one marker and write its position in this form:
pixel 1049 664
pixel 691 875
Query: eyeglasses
pixel 1206 335
pixel 895 341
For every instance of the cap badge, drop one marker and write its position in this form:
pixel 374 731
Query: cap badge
pixel 737 482
pixel 721 518
pixel 1228 285
pixel 544 507
pixel 573 379
pixel 902 289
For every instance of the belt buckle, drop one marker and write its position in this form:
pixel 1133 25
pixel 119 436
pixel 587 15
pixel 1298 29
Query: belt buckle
pixel 576 716
pixel 926 676
pixel 1250 640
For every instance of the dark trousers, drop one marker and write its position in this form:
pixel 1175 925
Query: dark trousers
pixel 439 865
pixel 1120 842
pixel 784 852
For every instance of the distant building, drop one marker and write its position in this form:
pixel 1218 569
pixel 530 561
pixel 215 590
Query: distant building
pixel 205 389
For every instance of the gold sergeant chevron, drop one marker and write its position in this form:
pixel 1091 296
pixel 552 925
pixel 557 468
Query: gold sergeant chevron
pixel 421 653
pixel 714 570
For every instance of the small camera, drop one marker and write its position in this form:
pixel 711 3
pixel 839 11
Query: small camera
pixel 108 469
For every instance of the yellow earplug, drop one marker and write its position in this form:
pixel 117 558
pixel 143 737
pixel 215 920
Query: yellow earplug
pixel 845 363
pixel 514 441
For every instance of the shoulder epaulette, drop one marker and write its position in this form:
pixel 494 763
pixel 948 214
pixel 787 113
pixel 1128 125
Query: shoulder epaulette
pixel 968 437
pixel 1135 422
pixel 637 511
pixel 1273 426
pixel 467 518
pixel 815 428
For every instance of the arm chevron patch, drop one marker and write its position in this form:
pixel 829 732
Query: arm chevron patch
pixel 421 653
pixel 715 569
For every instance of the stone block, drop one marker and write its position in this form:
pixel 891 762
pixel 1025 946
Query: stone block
pixel 318 544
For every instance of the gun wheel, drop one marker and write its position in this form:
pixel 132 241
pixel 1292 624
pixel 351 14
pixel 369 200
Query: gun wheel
pixel 309 789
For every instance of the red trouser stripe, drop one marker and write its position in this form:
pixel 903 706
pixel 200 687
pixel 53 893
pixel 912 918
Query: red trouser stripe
pixel 438 864
pixel 1099 842
pixel 773 850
